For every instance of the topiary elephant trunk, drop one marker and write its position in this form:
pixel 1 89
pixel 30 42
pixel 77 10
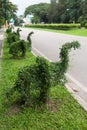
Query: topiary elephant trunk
pixel 59 69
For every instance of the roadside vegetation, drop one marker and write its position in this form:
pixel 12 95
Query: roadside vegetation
pixel 55 26
pixel 70 29
pixel 48 105
pixel 59 11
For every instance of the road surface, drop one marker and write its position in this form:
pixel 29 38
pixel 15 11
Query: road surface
pixel 47 44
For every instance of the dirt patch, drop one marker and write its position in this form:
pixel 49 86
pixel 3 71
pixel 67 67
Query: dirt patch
pixel 14 110
pixel 54 105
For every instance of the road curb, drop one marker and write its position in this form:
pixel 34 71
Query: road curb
pixel 77 97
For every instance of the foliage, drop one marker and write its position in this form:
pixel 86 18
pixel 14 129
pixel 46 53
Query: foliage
pixel 18 48
pixel 68 11
pixel 33 78
pixel 43 76
pixel 62 113
pixel 29 40
pixel 55 26
pixel 36 79
pixel 9 30
pixel 58 11
pixel 53 13
pixel 59 69
pixel 39 11
pixel 7 10
pixel 12 36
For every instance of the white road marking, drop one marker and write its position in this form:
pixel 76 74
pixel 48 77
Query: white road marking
pixel 41 54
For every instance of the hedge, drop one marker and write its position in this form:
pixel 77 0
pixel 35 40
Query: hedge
pixel 55 26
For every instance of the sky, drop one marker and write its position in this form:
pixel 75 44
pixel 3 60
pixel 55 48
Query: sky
pixel 22 4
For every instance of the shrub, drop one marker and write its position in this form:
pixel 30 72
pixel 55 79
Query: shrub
pixel 29 40
pixel 13 37
pixel 33 79
pixel 55 26
pixel 18 48
pixel 59 69
pixel 43 76
pixel 86 25
pixel 34 82
pixel 9 30
pixel 83 23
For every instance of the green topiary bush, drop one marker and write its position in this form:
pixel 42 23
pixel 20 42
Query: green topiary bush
pixel 13 37
pixel 18 48
pixel 9 30
pixel 33 81
pixel 55 26
pixel 59 69
pixel 29 40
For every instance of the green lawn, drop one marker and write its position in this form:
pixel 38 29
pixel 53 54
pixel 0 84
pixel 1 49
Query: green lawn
pixel 62 112
pixel 77 32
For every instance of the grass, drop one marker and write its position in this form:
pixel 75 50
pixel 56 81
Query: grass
pixel 77 32
pixel 62 112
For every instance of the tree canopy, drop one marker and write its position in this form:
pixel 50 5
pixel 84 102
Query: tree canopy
pixel 59 11
pixel 39 11
pixel 66 11
pixel 7 10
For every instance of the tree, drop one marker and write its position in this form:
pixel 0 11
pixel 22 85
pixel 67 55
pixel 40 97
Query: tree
pixel 75 11
pixel 52 12
pixel 39 11
pixel 7 10
pixel 60 11
pixel 84 9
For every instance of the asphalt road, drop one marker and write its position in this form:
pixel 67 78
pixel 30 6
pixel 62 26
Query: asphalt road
pixel 47 44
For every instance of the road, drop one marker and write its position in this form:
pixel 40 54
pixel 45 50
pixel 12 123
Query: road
pixel 47 44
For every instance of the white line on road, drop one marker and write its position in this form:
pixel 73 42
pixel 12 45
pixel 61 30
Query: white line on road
pixel 41 54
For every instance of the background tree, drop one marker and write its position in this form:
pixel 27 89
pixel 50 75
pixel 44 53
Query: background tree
pixel 84 10
pixel 75 10
pixel 39 11
pixel 52 12
pixel 65 11
pixel 7 10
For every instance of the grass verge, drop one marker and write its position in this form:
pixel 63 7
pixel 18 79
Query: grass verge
pixel 77 32
pixel 62 112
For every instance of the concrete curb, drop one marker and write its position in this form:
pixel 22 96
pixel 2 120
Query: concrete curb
pixel 74 93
